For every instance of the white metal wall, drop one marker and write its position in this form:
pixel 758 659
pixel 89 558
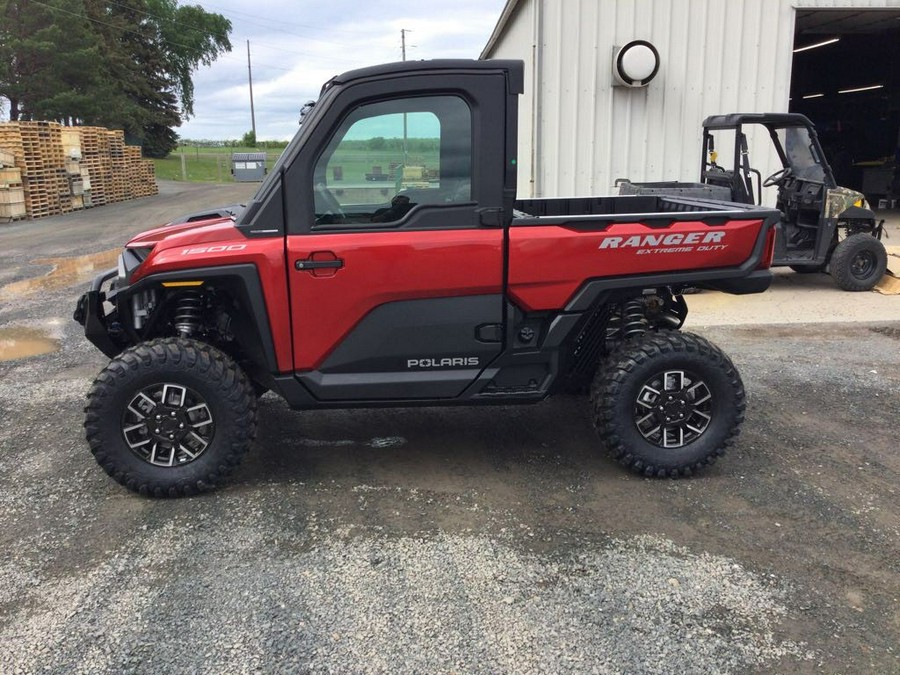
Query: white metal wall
pixel 717 56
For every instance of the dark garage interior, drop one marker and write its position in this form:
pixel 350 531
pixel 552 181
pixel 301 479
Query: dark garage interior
pixel 846 79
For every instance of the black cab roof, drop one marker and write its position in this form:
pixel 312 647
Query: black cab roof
pixel 514 67
pixel 733 120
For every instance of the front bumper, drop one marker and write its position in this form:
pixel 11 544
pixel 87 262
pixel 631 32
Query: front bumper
pixel 89 312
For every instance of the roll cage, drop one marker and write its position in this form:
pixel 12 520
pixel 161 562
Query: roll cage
pixel 793 137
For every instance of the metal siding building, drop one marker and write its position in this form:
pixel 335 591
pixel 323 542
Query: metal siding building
pixel 578 132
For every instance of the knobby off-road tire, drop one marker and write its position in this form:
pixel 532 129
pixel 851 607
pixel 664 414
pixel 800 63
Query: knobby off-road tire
pixel 678 381
pixel 164 389
pixel 858 262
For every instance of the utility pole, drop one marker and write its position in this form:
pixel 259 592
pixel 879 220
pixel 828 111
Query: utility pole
pixel 403 32
pixel 250 79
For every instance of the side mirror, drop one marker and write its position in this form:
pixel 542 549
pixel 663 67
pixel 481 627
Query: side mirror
pixel 304 111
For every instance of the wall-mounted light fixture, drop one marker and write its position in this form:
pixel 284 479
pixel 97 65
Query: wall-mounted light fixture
pixel 635 64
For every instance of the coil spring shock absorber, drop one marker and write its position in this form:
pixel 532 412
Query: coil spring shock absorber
pixel 188 314
pixel 634 321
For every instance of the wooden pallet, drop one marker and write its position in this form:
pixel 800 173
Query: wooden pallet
pixel 43 155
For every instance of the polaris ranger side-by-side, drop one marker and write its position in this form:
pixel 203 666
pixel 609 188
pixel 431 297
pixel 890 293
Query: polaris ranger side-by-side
pixel 823 226
pixel 438 288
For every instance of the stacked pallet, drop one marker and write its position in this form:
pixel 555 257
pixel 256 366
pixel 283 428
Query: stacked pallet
pixel 71 144
pixel 144 184
pixel 95 159
pixel 59 169
pixel 12 194
pixel 117 189
pixel 87 194
pixel 42 143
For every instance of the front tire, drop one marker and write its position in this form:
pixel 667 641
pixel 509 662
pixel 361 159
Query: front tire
pixel 170 417
pixel 668 404
pixel 858 262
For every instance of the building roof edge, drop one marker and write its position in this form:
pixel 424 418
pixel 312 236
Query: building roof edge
pixel 507 12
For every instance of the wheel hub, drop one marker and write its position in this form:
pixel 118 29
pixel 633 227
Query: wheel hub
pixel 863 264
pixel 673 408
pixel 167 424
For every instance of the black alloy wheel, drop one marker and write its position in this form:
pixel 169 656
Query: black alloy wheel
pixel 167 424
pixel 170 417
pixel 673 409
pixel 667 403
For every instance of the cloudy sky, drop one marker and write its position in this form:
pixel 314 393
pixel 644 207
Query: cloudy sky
pixel 297 45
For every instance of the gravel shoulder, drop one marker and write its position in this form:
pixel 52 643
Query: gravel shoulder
pixel 466 540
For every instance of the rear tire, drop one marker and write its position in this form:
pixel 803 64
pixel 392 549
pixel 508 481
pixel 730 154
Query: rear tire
pixel 858 263
pixel 678 382
pixel 170 417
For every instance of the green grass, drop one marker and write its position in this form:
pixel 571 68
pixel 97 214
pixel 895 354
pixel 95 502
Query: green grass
pixel 357 163
pixel 205 165
pixel 213 165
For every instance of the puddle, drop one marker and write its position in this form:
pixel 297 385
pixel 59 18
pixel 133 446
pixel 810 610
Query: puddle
pixel 65 272
pixel 20 343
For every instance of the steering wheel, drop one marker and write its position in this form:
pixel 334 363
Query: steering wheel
pixel 778 176
pixel 334 213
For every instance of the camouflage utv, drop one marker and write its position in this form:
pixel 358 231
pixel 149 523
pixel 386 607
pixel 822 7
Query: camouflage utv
pixel 823 227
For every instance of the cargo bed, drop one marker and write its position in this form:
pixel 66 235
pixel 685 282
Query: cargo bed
pixel 654 209
pixel 557 244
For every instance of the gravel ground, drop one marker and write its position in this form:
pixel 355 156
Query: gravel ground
pixel 451 540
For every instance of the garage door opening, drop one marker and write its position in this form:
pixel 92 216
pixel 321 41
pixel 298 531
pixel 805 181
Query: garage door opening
pixel 846 79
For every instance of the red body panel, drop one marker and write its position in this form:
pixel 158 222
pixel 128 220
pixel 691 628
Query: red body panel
pixel 198 228
pixel 196 246
pixel 311 311
pixel 378 268
pixel 547 264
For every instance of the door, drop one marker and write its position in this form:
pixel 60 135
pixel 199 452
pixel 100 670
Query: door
pixel 396 286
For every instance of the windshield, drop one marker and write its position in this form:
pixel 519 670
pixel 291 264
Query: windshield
pixel 801 154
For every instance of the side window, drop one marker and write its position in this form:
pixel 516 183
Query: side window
pixel 386 158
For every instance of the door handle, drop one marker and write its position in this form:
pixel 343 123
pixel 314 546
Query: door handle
pixel 320 264
pixel 310 264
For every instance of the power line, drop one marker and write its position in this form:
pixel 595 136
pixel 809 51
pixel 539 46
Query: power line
pixel 303 25
pixel 200 30
pixel 132 32
pixel 307 54
pixel 104 23
pixel 258 63
pixel 162 18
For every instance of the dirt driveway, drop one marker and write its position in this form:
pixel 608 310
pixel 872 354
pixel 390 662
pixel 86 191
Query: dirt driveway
pixel 450 540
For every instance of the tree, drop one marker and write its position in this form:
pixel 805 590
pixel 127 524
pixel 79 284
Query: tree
pixel 125 64
pixel 191 37
pixel 248 140
pixel 48 57
pixel 134 56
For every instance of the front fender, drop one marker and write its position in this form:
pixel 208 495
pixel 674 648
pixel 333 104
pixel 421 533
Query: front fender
pixel 251 325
